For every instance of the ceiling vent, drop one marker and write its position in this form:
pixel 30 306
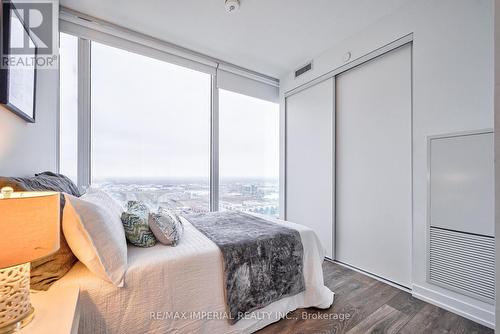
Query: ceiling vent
pixel 303 69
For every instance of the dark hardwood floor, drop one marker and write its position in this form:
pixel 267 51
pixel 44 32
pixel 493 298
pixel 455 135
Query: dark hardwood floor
pixel 365 305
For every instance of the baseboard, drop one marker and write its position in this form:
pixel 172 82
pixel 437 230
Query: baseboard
pixel 466 310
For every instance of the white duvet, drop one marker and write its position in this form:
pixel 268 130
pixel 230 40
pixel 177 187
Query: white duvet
pixel 180 290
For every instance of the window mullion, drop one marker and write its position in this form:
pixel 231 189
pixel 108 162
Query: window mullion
pixel 84 121
pixel 214 145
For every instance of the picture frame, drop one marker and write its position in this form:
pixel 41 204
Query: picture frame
pixel 17 83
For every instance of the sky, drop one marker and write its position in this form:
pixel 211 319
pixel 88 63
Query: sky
pixel 152 119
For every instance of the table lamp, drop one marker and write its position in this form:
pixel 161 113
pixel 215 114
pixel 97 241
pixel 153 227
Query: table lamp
pixel 29 230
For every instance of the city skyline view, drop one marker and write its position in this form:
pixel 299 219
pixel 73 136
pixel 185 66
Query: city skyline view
pixel 189 195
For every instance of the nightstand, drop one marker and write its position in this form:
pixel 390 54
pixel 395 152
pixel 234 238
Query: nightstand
pixel 56 311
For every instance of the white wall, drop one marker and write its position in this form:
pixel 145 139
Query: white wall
pixel 452 91
pixel 27 148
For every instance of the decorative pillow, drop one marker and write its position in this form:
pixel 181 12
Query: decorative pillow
pixel 94 232
pixel 166 226
pixel 135 223
pixel 47 270
pixel 105 200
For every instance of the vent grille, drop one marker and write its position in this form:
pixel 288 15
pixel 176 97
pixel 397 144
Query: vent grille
pixel 463 262
pixel 303 70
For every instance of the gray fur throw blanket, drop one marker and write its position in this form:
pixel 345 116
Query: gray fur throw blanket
pixel 263 261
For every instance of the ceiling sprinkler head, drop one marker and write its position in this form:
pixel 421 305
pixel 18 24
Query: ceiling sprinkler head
pixel 232 5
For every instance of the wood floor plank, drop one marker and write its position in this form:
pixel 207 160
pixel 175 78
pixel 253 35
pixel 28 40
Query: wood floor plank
pixel 332 272
pixel 372 307
pixel 364 278
pixel 431 319
pixel 347 289
pixel 406 303
pixel 385 319
pixel 362 304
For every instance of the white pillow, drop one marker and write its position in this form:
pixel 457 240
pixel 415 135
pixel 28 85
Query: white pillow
pixel 94 231
pixel 104 200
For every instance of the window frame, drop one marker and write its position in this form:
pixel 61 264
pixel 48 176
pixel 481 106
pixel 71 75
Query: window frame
pixel 84 164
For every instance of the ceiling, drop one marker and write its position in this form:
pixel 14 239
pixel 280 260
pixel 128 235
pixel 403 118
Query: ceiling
pixel 268 36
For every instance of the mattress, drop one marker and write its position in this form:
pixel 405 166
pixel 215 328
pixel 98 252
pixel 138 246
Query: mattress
pixel 180 290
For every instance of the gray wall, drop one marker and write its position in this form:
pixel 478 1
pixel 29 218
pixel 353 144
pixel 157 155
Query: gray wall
pixel 27 148
pixel 452 91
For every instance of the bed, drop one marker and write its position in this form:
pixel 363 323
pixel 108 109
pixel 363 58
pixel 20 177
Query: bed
pixel 180 290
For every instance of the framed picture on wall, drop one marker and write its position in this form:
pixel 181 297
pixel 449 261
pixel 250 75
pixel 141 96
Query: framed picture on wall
pixel 18 67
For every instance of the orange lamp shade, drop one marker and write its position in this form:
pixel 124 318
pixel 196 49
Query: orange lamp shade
pixel 29 227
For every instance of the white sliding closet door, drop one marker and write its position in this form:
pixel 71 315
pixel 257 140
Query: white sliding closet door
pixel 309 160
pixel 373 166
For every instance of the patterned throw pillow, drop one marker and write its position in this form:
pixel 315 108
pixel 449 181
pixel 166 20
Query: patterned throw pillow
pixel 166 226
pixel 135 223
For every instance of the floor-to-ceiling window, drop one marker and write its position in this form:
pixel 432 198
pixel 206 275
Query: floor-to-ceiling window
pixel 68 103
pixel 150 129
pixel 249 154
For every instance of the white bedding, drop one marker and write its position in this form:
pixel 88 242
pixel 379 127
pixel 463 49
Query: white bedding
pixel 161 282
